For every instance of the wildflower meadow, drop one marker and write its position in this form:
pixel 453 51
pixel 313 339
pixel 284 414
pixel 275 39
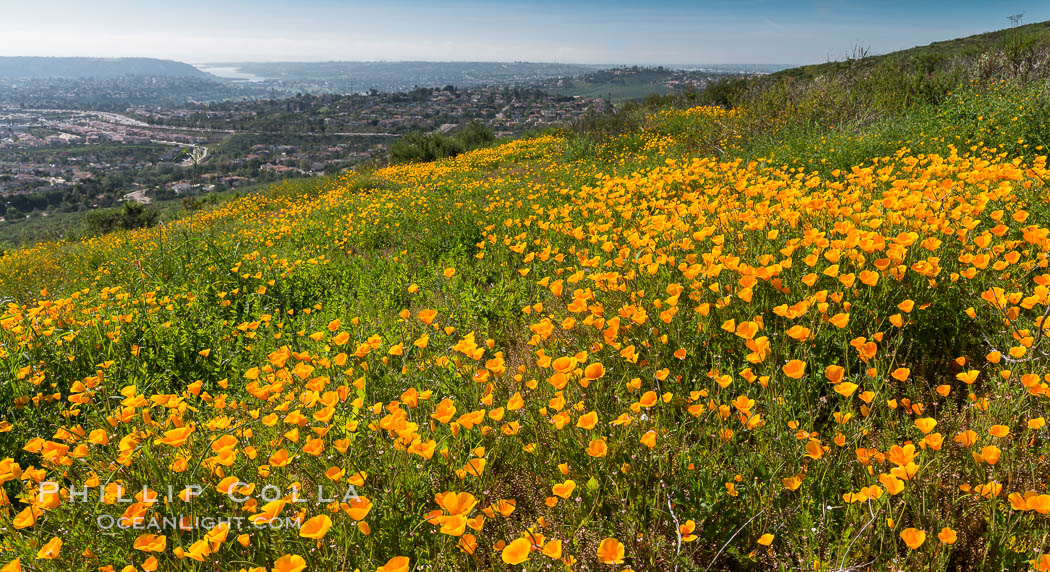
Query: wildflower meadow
pixel 676 347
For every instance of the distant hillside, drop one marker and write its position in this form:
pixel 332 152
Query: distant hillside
pixel 97 68
pixel 347 77
pixel 865 89
pixel 628 83
pixel 935 55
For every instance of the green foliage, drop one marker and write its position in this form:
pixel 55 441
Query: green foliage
pixel 961 53
pixel 418 147
pixel 479 239
pixel 129 216
pixel 725 92
pixel 879 92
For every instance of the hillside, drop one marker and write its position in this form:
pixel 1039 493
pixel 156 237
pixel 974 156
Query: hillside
pixel 359 77
pixel 790 334
pixel 629 83
pixel 95 68
pixel 935 55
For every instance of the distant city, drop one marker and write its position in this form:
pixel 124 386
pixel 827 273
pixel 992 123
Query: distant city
pixel 78 134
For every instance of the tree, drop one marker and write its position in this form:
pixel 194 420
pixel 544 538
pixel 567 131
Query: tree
pixel 421 147
pixel 130 216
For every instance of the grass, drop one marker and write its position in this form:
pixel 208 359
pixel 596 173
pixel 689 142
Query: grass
pixel 103 150
pixel 64 226
pixel 932 56
pixel 615 93
pixel 783 335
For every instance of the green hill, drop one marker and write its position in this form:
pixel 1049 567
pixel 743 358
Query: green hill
pixel 95 68
pixel 1011 41
pixel 864 102
pixel 806 332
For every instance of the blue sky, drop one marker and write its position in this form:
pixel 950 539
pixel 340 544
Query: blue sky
pixel 584 31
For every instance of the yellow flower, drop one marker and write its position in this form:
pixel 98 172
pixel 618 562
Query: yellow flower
pixel 649 439
pixel 814 450
pixel 947 536
pixel 516 552
pixel 316 527
pixel 795 369
pixel 913 537
pixel 564 490
pixel 395 564
pixel 50 550
pixel 925 424
pixel 611 551
pixel 150 543
pixel 594 371
pixel 845 389
pixel 597 448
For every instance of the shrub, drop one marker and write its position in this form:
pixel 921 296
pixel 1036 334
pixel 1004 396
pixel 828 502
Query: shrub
pixel 129 216
pixel 422 147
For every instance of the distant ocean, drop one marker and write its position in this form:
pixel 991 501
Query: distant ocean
pixel 735 68
pixel 230 72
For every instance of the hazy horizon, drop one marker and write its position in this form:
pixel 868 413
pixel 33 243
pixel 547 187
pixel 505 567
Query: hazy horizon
pixel 614 32
pixel 465 61
pixel 219 63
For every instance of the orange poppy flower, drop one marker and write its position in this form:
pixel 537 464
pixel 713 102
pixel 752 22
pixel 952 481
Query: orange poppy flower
pixel 611 551
pixel 316 527
pixel 794 369
pixel 913 537
pixel 594 371
pixel 564 490
pixel 516 552
pixel 947 536
pixel 395 564
pixel 597 448
pixel 50 550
